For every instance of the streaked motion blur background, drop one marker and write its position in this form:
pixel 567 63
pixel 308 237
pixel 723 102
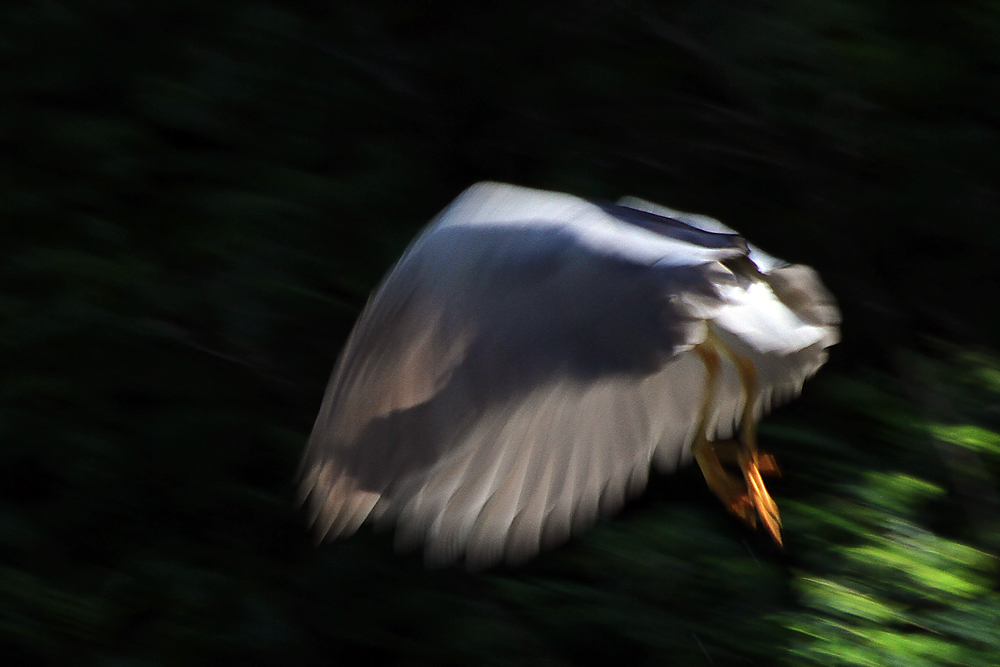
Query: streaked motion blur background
pixel 196 198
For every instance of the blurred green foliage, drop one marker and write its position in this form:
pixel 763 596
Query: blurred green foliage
pixel 195 200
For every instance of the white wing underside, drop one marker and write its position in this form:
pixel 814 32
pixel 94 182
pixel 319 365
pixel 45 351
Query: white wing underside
pixel 443 418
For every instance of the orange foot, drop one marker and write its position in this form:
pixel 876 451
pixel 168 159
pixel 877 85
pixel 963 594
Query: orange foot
pixel 748 497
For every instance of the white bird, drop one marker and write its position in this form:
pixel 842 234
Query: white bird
pixel 533 353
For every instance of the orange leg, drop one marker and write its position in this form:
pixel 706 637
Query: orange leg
pixel 748 497
pixel 731 490
pixel 751 462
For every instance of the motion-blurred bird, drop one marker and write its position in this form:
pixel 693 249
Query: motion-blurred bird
pixel 533 353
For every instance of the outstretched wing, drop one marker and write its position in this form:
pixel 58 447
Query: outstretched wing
pixel 514 375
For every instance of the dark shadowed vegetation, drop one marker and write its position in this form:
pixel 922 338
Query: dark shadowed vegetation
pixel 197 197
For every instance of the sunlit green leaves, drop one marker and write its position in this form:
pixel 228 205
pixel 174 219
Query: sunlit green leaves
pixel 886 588
pixel 974 437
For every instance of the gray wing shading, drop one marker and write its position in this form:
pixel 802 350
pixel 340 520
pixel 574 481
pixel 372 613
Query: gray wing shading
pixel 761 259
pixel 782 319
pixel 514 375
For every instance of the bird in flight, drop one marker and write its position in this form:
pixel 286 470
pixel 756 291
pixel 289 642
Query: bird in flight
pixel 533 354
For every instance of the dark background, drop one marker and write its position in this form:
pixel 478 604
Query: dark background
pixel 197 197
